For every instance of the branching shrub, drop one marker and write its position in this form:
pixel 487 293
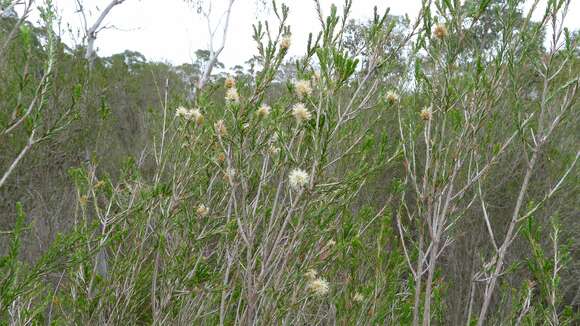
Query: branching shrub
pixel 340 191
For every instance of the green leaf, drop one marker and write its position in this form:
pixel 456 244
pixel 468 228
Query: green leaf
pixel 456 118
pixel 26 35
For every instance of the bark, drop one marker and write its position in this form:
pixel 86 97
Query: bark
pixel 213 53
pixel 91 33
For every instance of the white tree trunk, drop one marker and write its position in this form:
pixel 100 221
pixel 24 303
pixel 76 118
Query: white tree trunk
pixel 91 33
pixel 213 53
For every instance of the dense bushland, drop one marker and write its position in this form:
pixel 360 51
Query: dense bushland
pixel 398 172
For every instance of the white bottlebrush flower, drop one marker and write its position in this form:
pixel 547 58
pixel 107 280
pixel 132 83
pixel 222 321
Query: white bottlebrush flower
pixel 181 112
pixel 300 112
pixel 273 150
pixel 189 114
pixel 311 274
pixel 440 31
pixel 232 95
pixel 426 114
pixel 263 111
pixel 286 41
pixel 230 82
pixel 196 116
pixel 298 179
pixel 220 128
pixel 302 88
pixel 358 297
pixel 202 210
pixel 392 97
pixel 319 287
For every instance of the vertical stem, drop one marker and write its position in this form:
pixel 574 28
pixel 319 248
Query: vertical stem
pixel 416 306
pixel 507 241
pixel 429 284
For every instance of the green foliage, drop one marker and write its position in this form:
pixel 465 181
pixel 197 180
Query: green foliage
pixel 414 151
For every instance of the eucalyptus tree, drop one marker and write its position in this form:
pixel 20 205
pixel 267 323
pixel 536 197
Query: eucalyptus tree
pixel 217 36
pixel 91 30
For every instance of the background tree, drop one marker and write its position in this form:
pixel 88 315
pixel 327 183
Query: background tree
pixel 91 30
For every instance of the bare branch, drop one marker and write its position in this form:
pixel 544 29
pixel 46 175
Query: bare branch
pixel 29 144
pixel 214 53
pixel 91 32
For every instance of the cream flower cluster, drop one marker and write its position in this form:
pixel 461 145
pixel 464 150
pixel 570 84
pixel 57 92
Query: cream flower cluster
pixel 286 41
pixel 392 97
pixel 298 179
pixel 311 274
pixel 202 210
pixel 263 111
pixel 300 112
pixel 426 114
pixel 189 114
pixel 232 95
pixel 358 297
pixel 230 82
pixel 440 31
pixel 220 128
pixel 319 286
pixel 303 88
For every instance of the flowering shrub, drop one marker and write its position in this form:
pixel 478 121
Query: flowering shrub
pixel 336 195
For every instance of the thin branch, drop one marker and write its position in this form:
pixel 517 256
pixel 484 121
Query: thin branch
pixel 29 144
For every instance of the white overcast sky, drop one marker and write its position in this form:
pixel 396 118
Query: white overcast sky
pixel 171 30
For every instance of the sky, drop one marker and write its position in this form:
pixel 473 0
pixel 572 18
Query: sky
pixel 171 30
